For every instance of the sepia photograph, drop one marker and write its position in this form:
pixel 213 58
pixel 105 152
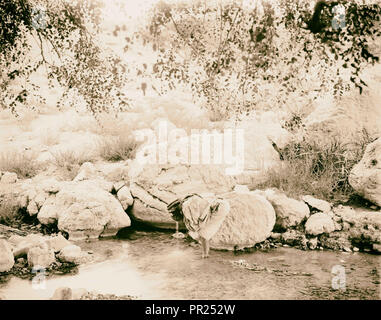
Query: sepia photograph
pixel 186 155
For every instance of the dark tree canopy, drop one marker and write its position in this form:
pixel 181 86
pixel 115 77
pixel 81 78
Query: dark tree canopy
pixel 67 51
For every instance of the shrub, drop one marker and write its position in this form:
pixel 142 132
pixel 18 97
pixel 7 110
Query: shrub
pixel 118 148
pixel 69 162
pixel 24 165
pixel 318 165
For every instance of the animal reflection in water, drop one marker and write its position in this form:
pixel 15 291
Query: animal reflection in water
pixel 201 217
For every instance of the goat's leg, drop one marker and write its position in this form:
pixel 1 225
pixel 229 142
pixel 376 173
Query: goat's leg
pixel 203 247
pixel 206 248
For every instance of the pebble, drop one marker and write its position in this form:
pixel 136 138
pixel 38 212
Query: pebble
pixel 275 235
pixel 346 249
pixel 355 249
pixel 178 235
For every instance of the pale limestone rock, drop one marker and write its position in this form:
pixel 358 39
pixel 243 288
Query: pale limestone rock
pixel 22 246
pixel 57 243
pixel 319 223
pixel 118 185
pixel 32 208
pixel 155 186
pixel 318 204
pixel 6 256
pixel 365 177
pixel 84 210
pixel 289 212
pixel 250 220
pixel 9 177
pixel 86 172
pixel 125 197
pixel 72 253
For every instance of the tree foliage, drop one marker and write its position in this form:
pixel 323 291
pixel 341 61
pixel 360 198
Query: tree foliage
pixel 238 58
pixel 233 57
pixel 65 36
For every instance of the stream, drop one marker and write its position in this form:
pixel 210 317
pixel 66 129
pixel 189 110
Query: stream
pixel 156 265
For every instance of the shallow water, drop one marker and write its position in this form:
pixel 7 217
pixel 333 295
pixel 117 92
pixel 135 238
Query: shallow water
pixel 154 265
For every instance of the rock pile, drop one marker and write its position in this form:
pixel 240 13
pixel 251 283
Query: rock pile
pixel 39 251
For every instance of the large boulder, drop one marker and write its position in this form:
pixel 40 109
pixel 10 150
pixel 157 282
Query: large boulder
pixel 154 186
pixel 361 226
pixel 319 223
pixel 6 256
pixel 365 177
pixel 317 204
pixel 35 192
pixel 250 220
pixel 289 212
pixel 84 210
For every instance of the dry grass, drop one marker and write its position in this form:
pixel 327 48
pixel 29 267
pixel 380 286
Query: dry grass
pixel 69 162
pixel 117 148
pixel 24 165
pixel 318 165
